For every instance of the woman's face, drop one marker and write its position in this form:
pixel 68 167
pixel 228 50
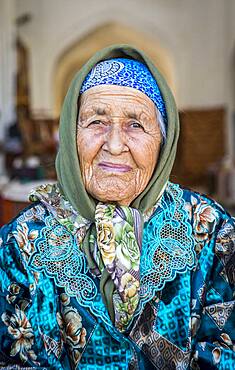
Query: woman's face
pixel 118 141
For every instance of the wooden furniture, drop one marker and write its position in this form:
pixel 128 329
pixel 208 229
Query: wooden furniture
pixel 201 145
pixel 14 198
pixel 9 209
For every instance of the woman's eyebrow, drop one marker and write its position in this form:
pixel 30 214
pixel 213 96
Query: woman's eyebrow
pixel 100 111
pixel 133 115
pixel 136 114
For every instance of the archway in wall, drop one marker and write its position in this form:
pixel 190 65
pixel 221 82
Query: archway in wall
pixel 112 33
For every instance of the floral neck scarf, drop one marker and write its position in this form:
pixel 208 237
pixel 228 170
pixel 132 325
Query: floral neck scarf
pixel 118 251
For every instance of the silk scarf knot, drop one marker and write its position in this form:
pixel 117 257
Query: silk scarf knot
pixel 118 230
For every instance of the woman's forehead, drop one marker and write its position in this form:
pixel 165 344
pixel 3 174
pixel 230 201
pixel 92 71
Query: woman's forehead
pixel 103 98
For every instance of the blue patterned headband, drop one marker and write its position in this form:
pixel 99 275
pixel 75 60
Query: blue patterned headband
pixel 126 72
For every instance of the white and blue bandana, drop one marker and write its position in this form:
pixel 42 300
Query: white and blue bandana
pixel 126 72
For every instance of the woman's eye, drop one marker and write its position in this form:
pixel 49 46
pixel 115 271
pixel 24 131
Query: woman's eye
pixel 96 122
pixel 136 125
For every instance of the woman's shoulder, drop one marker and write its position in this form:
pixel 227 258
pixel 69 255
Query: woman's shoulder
pixel 196 202
pixel 190 218
pixel 44 200
pixel 30 218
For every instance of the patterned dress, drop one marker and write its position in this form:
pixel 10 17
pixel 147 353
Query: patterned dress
pixel 52 315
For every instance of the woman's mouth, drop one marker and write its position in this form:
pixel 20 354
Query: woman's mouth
pixel 114 167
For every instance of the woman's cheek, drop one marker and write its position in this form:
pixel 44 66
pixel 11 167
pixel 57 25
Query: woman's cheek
pixel 88 146
pixel 145 153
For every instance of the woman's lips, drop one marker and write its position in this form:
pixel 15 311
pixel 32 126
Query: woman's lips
pixel 114 167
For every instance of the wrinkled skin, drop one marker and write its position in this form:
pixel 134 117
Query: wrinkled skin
pixel 118 141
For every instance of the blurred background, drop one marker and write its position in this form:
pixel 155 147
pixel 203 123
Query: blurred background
pixel 42 45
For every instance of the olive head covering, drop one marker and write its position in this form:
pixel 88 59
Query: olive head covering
pixel 67 162
pixel 103 250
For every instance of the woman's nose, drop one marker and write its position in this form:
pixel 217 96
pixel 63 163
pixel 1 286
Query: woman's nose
pixel 115 141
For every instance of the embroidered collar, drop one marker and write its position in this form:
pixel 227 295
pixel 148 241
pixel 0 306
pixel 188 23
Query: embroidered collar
pixel 167 247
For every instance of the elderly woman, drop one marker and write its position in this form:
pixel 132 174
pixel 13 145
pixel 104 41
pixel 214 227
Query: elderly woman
pixel 115 267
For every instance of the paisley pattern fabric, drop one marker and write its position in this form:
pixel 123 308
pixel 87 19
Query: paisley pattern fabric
pixel 51 311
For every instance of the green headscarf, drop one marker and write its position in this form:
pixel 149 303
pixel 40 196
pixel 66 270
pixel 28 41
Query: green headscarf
pixel 67 162
pixel 70 179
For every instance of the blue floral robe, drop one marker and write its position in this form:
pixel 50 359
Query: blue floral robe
pixel 51 311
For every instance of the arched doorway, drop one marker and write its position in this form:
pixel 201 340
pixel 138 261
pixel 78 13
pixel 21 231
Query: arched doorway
pixel 112 33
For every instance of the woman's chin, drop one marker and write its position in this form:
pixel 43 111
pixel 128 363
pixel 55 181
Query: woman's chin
pixel 120 196
pixel 113 189
pixel 114 198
